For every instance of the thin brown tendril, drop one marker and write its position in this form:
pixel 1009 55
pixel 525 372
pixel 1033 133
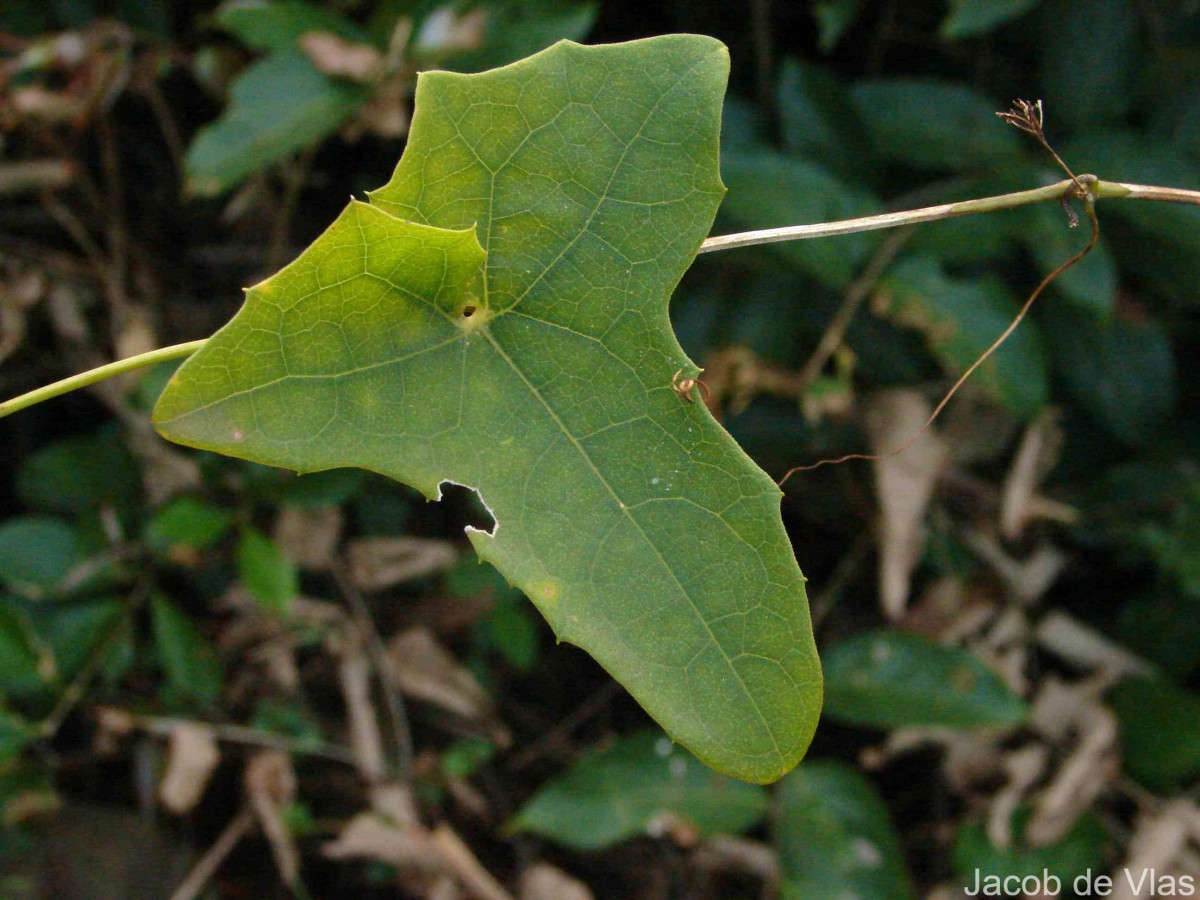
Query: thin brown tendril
pixel 1089 208
pixel 1027 116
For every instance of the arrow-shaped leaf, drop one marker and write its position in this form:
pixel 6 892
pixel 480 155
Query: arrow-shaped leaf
pixel 538 370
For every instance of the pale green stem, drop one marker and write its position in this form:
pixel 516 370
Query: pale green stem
pixel 1100 190
pixel 91 376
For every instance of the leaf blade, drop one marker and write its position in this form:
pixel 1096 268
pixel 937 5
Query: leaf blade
pixel 618 503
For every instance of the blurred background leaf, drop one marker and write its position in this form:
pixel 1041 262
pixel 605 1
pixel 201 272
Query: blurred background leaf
pixel 891 678
pixel 835 837
pixel 643 784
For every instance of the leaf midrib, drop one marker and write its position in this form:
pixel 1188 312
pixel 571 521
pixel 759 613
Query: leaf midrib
pixel 624 509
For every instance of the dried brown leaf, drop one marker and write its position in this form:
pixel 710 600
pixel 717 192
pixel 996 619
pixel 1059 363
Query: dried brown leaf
pixel 450 30
pixel 1035 457
pixel 427 671
pixel 354 675
pixel 1159 840
pixel 729 853
pixel 904 484
pixel 34 175
pixel 377 563
pixel 192 757
pixel 309 536
pixel 340 58
pixel 1086 772
pixel 386 114
pixel 271 785
pixel 1083 646
pixel 1028 578
pixel 466 866
pixel 445 888
pixel 542 881
pixel 409 848
pixel 65 306
pixel 46 106
pixel 972 759
pixel 166 472
pixel 395 801
pixel 136 335
pixel 1024 767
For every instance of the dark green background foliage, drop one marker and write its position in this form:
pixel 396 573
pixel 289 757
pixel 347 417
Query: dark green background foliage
pixel 204 148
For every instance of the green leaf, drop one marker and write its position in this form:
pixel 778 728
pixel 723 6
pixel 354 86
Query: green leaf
pixel 960 318
pixel 1160 732
pixel 26 18
pixel 1175 545
pixel 887 679
pixel 278 25
pixel 1121 371
pixel 288 719
pixel 1081 849
pixel 1143 159
pixel 512 629
pixel 1090 62
pixel 80 473
pixel 277 106
pixel 1091 284
pixel 642 784
pixel 820 121
pixel 330 488
pixel 24 663
pixel 537 369
pixel 188 524
pixel 15 735
pixel 75 631
pixel 835 838
pixel 1164 629
pixel 147 16
pixel 934 124
pixel 190 662
pixel 464 757
pixel 834 18
pixel 968 18
pixel 768 189
pixel 271 578
pixel 36 553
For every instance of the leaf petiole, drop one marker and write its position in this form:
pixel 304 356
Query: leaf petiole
pixel 92 376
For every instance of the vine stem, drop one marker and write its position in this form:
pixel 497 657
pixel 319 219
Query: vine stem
pixel 1100 190
pixel 92 376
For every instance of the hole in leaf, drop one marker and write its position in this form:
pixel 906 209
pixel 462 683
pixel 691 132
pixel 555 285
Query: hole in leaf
pixel 468 311
pixel 468 505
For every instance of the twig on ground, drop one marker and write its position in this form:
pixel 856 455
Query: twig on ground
pixel 73 692
pixel 210 862
pixel 119 720
pixel 584 711
pixel 858 291
pixel 396 712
